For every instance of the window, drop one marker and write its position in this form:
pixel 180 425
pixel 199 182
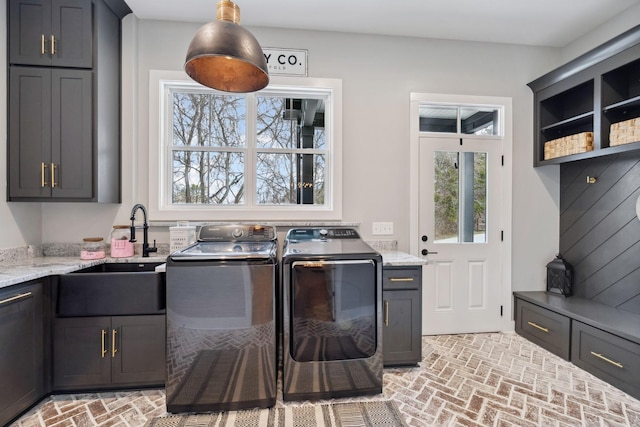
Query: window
pixel 270 155
pixel 465 120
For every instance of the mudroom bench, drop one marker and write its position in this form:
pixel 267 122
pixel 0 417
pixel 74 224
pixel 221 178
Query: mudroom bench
pixel 600 339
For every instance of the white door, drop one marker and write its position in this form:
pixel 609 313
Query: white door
pixel 460 189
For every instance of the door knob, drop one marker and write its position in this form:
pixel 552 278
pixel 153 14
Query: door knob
pixel 427 252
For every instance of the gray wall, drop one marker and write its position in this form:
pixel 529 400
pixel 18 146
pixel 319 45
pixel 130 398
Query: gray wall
pixel 599 230
pixel 378 74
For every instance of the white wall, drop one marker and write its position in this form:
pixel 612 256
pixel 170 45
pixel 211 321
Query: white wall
pixel 596 36
pixel 21 223
pixel 378 74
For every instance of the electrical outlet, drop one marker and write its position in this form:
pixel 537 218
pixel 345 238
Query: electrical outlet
pixel 382 228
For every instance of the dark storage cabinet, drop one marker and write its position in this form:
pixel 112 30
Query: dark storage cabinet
pixel 50 132
pixel 544 327
pixel 598 338
pixel 589 94
pixel 22 350
pixel 607 356
pixel 105 352
pixel 402 315
pixel 55 33
pixel 64 100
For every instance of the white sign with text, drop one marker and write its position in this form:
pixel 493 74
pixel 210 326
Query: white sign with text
pixel 286 62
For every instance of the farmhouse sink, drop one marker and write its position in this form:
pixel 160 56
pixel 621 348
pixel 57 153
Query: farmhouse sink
pixel 112 289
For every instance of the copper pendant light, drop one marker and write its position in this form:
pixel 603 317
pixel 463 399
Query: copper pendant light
pixel 225 56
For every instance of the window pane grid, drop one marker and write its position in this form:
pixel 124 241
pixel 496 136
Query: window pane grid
pixel 223 148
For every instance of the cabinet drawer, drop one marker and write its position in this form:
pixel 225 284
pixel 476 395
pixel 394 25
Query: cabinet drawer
pixel 608 357
pixel 401 278
pixel 544 327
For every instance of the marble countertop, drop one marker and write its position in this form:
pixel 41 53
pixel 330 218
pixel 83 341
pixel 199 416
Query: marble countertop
pixel 15 272
pixel 397 258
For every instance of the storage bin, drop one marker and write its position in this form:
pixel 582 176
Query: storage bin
pixel 571 144
pixel 624 132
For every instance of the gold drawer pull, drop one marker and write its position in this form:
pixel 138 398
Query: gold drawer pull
pixel 386 313
pixel 402 279
pixel 104 349
pixel 15 298
pixel 538 327
pixel 43 179
pixel 114 350
pixel 600 356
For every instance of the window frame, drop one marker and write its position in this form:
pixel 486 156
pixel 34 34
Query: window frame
pixel 160 167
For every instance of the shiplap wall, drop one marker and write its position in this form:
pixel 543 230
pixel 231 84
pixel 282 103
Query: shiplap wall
pixel 599 230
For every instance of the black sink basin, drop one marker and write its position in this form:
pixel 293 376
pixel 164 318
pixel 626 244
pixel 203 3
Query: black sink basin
pixel 112 289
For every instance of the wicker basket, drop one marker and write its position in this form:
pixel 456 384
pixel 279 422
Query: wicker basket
pixel 624 132
pixel 572 144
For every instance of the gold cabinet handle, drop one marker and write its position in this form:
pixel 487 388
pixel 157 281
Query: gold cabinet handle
pixel 402 279
pixel 386 313
pixel 600 356
pixel 538 327
pixel 43 45
pixel 43 174
pixel 114 350
pixel 104 344
pixel 53 175
pixel 15 298
pixel 53 45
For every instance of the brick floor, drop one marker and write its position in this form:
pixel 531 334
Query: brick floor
pixel 495 379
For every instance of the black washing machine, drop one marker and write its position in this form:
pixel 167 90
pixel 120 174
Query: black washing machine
pixel 221 321
pixel 331 315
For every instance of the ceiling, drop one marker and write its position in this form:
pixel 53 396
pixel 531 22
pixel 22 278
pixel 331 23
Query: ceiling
pixel 554 23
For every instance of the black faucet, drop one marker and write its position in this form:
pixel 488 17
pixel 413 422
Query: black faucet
pixel 145 227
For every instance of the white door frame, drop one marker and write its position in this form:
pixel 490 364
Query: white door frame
pixel 414 181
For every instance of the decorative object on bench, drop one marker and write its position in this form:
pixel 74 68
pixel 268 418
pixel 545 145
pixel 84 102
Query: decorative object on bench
pixel 559 277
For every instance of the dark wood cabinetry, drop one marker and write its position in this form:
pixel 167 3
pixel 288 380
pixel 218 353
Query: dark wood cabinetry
pixel 51 33
pixel 589 94
pixel 64 100
pixel 23 359
pixel 546 328
pixel 402 318
pixel 607 356
pixel 50 133
pixel 104 352
pixel 598 338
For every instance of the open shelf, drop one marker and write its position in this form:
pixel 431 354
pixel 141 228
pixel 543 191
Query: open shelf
pixel 589 94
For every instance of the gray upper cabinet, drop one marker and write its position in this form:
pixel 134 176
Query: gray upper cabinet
pixel 64 100
pixel 50 133
pixel 55 33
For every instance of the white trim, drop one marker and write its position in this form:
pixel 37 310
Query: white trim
pixel 507 190
pixel 332 211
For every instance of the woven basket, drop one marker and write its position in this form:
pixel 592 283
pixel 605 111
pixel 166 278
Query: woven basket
pixel 624 132
pixel 572 144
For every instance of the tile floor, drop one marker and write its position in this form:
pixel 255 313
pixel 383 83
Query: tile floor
pixel 497 379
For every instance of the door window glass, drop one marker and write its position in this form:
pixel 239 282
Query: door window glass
pixel 460 194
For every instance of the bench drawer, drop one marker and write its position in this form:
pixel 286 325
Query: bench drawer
pixel 607 356
pixel 546 328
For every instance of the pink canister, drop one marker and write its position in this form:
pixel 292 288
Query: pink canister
pixel 121 247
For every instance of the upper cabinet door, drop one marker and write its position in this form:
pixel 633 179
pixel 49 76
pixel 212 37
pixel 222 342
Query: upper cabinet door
pixel 51 33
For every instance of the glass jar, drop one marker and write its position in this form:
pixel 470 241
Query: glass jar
pixel 121 247
pixel 92 248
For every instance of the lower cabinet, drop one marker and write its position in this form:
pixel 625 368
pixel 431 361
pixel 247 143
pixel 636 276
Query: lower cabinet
pixel 608 357
pixel 544 327
pixel 22 348
pixel 402 315
pixel 103 352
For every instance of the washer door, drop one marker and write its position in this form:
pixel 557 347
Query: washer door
pixel 333 306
